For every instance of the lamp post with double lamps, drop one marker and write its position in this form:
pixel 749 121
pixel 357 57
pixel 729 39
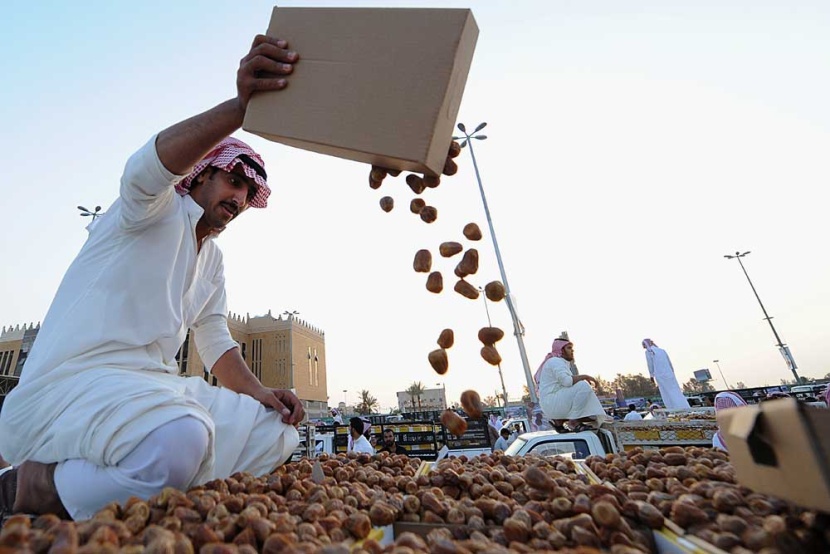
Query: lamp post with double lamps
pixel 783 348
pixel 94 214
pixel 518 328
pixel 721 373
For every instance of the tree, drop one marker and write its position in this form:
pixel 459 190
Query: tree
pixel 415 390
pixel 490 401
pixel 693 386
pixel 801 381
pixel 604 387
pixel 367 403
pixel 741 385
pixel 634 385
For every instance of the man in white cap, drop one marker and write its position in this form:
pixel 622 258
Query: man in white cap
pixel 662 372
pixel 100 413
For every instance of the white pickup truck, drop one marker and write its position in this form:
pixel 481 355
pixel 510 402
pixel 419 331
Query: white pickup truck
pixel 615 437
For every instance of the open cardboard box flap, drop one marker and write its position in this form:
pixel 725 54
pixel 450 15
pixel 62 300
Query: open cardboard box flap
pixel 781 448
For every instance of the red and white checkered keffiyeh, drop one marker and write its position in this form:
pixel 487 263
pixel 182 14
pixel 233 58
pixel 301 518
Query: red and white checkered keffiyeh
pixel 225 156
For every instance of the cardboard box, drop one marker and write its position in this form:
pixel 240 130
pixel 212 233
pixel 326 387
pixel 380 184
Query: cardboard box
pixel 376 85
pixel 781 448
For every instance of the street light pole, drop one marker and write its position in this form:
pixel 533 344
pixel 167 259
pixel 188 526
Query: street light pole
pixel 93 214
pixel 721 374
pixel 518 328
pixel 783 348
pixel 446 405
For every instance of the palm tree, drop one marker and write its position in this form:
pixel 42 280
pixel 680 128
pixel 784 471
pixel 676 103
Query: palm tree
pixel 367 403
pixel 415 390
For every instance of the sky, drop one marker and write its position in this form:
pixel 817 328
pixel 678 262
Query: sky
pixel 631 145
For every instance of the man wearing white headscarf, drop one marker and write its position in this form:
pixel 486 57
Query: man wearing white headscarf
pixel 564 395
pixel 100 413
pixel 662 372
pixel 724 401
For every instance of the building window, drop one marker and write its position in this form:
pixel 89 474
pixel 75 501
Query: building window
pixel 310 376
pixel 256 358
pixel 6 361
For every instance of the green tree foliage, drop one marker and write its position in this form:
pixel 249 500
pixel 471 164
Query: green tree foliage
pixel 367 403
pixel 415 391
pixel 693 386
pixel 634 385
pixel 604 387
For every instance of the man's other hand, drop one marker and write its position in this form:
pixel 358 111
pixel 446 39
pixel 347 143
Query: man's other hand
pixel 264 68
pixel 283 401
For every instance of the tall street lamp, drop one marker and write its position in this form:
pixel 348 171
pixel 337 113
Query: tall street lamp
pixel 721 373
pixel 93 214
pixel 783 348
pixel 518 328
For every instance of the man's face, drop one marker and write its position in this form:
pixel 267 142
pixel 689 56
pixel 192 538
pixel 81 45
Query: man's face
pixel 568 352
pixel 388 437
pixel 222 195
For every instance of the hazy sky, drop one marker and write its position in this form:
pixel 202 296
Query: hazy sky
pixel 631 145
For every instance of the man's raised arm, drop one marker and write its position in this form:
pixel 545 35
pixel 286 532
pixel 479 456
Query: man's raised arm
pixel 181 146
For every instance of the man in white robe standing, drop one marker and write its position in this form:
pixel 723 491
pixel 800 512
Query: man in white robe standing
pixel 100 413
pixel 662 373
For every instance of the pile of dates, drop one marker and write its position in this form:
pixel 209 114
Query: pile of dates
pixel 696 488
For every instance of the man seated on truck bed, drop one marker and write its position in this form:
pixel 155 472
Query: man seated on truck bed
pixel 389 443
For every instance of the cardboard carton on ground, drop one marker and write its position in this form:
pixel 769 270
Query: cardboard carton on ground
pixel 781 448
pixel 376 85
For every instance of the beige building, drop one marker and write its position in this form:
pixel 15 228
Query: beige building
pixel 15 343
pixel 430 399
pixel 286 353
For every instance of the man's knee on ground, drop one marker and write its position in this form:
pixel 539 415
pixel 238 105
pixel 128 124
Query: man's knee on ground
pixel 186 442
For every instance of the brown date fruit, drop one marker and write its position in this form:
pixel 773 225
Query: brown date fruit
pixel 472 232
pixel 446 338
pixel 471 402
pixel 494 291
pixel 454 423
pixel 416 205
pixel 438 360
pixel 490 335
pixel 423 261
pixel 415 183
pixel 428 214
pixel 387 203
pixel 435 282
pixel 491 355
pixel 468 264
pixel 450 249
pixel 465 289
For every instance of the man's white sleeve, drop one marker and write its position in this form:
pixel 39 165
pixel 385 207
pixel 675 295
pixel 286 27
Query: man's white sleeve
pixel 147 188
pixel 210 331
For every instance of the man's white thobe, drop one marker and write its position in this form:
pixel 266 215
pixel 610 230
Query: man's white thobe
pixel 660 368
pixel 102 373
